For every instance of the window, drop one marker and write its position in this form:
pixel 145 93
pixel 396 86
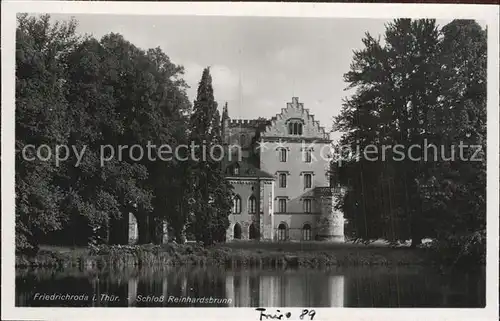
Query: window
pixel 237 204
pixel 282 232
pixel 295 128
pixel 307 156
pixel 307 206
pixel 236 169
pixel 237 231
pixel 252 202
pixel 306 232
pixel 307 180
pixel 282 154
pixel 282 180
pixel 252 232
pixel 243 140
pixel 282 205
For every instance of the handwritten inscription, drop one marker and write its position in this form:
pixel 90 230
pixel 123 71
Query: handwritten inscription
pixel 307 313
pixel 278 315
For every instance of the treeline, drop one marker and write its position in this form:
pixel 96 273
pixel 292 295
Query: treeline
pixel 84 93
pixel 420 85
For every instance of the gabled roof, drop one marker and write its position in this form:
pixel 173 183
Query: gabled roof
pixel 245 169
pixel 295 109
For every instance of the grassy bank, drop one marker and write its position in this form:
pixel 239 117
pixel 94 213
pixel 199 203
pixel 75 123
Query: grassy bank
pixel 231 255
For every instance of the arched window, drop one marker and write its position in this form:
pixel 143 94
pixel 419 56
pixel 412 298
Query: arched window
pixel 308 156
pixel 282 153
pixel 243 140
pixel 282 180
pixel 252 232
pixel 295 128
pixel 282 232
pixel 306 232
pixel 307 205
pixel 252 204
pixel 236 204
pixel 282 205
pixel 237 231
pixel 307 180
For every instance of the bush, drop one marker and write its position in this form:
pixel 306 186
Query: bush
pixel 469 249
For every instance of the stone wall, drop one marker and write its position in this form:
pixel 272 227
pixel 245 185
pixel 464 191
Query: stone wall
pixel 295 167
pixel 164 236
pixel 267 216
pixel 330 224
pixel 324 220
pixel 263 190
pixel 133 229
pixel 244 188
pixel 295 224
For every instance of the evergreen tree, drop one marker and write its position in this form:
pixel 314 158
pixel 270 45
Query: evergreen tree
pixel 396 86
pixel 421 87
pixel 212 192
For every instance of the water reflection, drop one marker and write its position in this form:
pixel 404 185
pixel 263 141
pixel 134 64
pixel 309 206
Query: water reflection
pixel 174 287
pixel 286 290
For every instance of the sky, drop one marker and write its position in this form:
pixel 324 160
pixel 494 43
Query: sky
pixel 257 63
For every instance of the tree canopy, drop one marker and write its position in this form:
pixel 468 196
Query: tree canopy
pixel 420 86
pixel 94 95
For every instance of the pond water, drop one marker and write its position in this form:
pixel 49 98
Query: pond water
pixel 211 287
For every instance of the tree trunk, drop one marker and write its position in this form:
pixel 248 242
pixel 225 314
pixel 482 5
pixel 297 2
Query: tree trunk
pixel 180 235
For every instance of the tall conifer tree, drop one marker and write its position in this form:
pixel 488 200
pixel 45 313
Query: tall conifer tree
pixel 422 86
pixel 211 191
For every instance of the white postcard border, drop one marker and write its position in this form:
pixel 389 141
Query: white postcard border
pixel 487 13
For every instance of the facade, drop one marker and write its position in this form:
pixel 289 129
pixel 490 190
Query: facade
pixel 279 169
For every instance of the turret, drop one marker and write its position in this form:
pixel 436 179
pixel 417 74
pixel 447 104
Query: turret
pixel 225 124
pixel 330 224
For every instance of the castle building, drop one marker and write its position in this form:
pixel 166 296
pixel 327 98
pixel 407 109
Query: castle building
pixel 279 169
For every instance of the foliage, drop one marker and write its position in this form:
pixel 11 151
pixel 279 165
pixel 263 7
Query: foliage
pixel 420 87
pixel 95 96
pixel 41 118
pixel 255 255
pixel 213 193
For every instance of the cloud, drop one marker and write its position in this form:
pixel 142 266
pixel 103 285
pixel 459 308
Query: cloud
pixel 288 56
pixel 192 76
pixel 225 82
pixel 257 63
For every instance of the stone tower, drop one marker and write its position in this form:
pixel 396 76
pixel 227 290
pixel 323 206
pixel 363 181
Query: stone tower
pixel 330 224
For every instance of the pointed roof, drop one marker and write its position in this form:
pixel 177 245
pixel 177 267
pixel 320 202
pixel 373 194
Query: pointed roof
pixel 245 170
pixel 225 113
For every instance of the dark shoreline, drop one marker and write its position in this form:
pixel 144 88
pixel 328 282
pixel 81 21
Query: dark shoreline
pixel 229 255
